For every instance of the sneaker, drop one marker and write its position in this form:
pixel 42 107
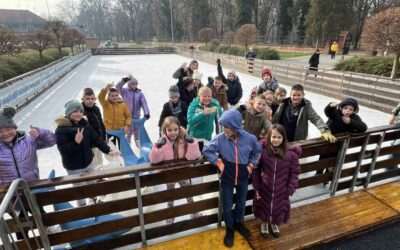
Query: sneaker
pixel 229 236
pixel 196 215
pixel 264 230
pixel 275 230
pixel 242 230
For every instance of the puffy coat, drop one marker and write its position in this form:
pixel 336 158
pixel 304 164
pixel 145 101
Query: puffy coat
pixel 116 115
pixel 134 99
pixel 221 96
pixel 336 125
pixel 275 180
pixel 95 119
pixel 201 126
pixel 166 152
pixel 255 123
pixel 20 160
pixel 181 115
pixel 77 156
pixel 234 92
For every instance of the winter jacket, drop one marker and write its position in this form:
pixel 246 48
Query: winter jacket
pixel 221 96
pixel 272 85
pixel 201 126
pixel 116 115
pixel 235 154
pixel 166 152
pixel 336 125
pixel 134 99
pixel 314 61
pixel 77 156
pixel 251 54
pixel 20 159
pixel 235 91
pixel 186 96
pixel 334 47
pixel 307 113
pixel 275 180
pixel 255 123
pixel 181 115
pixel 95 120
pixel 181 73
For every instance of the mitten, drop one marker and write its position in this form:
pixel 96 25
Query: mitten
pixel 161 142
pixel 147 116
pixel 125 79
pixel 210 81
pixel 242 107
pixel 189 138
pixel 218 61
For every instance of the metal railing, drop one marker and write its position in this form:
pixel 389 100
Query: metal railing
pixel 17 203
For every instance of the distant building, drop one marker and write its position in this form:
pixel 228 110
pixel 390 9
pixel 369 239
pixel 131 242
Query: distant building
pixel 20 21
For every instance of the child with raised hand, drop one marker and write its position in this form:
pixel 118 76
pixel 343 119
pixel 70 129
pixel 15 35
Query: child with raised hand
pixel 175 143
pixel 174 107
pixel 294 113
pixel 274 180
pixel 18 149
pixel 116 113
pixel 235 152
pixel 202 113
pixel 186 70
pixel 219 91
pixel 93 115
pixel 234 92
pixel 135 100
pixel 255 117
pixel 75 139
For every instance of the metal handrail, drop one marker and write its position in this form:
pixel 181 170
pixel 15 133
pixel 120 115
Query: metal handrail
pixel 9 205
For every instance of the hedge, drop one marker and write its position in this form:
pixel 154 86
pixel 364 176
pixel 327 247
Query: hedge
pixel 262 53
pixel 374 65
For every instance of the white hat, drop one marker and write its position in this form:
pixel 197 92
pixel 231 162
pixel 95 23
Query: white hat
pixel 197 75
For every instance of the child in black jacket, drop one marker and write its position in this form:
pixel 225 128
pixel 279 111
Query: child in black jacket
pixel 174 107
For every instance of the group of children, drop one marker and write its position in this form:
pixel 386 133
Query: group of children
pixel 254 141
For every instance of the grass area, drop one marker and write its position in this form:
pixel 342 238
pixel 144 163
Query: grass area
pixel 374 65
pixel 27 60
pixel 290 54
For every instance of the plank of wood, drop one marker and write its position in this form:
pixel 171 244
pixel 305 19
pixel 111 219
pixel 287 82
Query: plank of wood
pixel 388 193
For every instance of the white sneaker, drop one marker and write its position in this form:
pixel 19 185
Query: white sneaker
pixel 264 230
pixel 275 230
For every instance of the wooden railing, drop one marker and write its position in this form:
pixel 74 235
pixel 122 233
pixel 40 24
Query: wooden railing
pixel 357 161
pixel 377 92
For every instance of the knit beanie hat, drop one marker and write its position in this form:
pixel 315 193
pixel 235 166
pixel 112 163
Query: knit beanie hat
pixel 266 71
pixel 6 115
pixel 233 73
pixel 72 106
pixel 132 81
pixel 349 101
pixel 174 91
pixel 197 75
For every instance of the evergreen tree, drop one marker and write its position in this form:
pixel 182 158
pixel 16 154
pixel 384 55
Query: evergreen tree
pixel 244 12
pixel 284 19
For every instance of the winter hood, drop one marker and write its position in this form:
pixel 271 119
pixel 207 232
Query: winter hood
pixel 231 119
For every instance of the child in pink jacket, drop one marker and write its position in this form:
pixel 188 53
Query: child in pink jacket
pixel 175 143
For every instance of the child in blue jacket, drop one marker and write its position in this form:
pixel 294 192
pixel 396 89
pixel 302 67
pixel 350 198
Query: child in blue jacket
pixel 235 152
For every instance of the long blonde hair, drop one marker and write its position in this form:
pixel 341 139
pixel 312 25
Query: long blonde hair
pixel 168 121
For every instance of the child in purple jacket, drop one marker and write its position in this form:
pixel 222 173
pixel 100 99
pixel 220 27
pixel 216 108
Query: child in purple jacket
pixel 135 100
pixel 275 179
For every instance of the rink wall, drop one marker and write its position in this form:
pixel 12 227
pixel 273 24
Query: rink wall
pixel 376 92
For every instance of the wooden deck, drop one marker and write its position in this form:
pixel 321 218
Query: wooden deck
pixel 313 224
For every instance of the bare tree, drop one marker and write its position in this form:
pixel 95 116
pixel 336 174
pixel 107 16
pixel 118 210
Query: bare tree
pixel 40 40
pixel 246 35
pixel 229 38
pixel 58 28
pixel 205 35
pixel 71 38
pixel 9 42
pixel 382 31
pixel 69 11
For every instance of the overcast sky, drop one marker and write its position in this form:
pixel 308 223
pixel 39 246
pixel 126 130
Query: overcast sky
pixel 36 6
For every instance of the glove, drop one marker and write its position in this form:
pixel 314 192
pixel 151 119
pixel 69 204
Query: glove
pixel 147 116
pixel 220 165
pixel 125 79
pixel 210 80
pixel 218 61
pixel 242 107
pixel 161 142
pixel 327 136
pixel 188 138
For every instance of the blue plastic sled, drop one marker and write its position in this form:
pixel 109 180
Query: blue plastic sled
pixel 128 155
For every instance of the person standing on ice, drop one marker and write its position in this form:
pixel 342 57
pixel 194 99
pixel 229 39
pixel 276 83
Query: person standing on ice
pixel 186 70
pixel 75 139
pixel 202 113
pixel 274 180
pixel 18 150
pixel 135 100
pixel 175 107
pixel 233 84
pixel 235 152
pixel 175 144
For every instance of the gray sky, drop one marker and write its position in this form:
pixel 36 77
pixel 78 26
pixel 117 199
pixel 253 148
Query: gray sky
pixel 36 6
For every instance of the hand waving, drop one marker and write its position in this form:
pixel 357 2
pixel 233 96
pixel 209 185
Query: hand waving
pixel 79 135
pixel 33 132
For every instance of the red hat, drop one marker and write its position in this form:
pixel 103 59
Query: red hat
pixel 266 71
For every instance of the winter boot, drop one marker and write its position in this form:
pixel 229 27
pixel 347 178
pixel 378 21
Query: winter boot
pixel 229 237
pixel 242 230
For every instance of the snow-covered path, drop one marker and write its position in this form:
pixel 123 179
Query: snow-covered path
pixel 154 73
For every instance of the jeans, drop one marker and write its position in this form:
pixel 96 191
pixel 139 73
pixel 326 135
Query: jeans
pixel 236 216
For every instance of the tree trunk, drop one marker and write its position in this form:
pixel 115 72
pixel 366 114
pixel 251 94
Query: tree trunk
pixel 59 50
pixel 395 66
pixel 72 50
pixel 41 56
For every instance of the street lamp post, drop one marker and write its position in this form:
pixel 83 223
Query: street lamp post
pixel 172 25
